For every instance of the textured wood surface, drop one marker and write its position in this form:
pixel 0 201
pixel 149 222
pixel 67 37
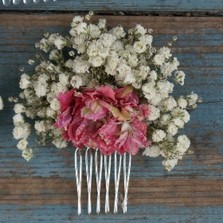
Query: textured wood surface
pixel 44 190
pixel 211 6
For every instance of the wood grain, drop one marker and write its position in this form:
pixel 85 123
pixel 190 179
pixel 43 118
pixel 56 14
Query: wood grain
pixel 164 6
pixel 44 191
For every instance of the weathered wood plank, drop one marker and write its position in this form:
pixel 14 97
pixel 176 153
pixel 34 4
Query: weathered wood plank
pixel 40 191
pixel 130 5
pixel 192 192
pixel 142 214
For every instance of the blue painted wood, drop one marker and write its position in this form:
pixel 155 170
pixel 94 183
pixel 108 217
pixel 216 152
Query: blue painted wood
pixel 130 5
pixel 143 214
pixel 43 190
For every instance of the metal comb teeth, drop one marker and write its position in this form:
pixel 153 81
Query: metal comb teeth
pixel 17 2
pixel 103 169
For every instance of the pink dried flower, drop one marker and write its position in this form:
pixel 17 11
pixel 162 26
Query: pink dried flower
pixel 104 118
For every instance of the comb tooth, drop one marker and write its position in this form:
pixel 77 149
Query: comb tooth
pixel 98 176
pixel 16 2
pixel 78 173
pixel 107 167
pixel 26 1
pixel 89 177
pixel 6 2
pixel 117 174
pixel 126 173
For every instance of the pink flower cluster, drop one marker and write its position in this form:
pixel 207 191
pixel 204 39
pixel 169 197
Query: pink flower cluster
pixel 104 118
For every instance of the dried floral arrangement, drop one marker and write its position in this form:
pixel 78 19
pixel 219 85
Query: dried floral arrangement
pixel 108 90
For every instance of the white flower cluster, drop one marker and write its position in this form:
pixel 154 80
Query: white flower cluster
pixel 1 103
pixel 94 55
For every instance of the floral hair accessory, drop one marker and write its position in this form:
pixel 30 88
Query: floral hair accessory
pixel 109 92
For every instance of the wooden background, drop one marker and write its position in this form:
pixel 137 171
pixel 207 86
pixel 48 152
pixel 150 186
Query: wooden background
pixel 44 190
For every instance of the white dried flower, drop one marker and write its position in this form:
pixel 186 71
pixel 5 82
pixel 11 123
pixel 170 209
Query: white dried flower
pixel 140 29
pixel 146 39
pixel 19 108
pixel 152 151
pixel 50 113
pixel 27 154
pixel 112 61
pixel 165 52
pixel 81 28
pixel 64 79
pixel 132 60
pixel 40 126
pixel 192 99
pixel 54 55
pixel 183 143
pixel 69 63
pixel 158 135
pixel 170 164
pixel 30 113
pixel 139 47
pixel 154 113
pixel 178 122
pixel 21 131
pixel 80 66
pixel 55 104
pixel 172 129
pixel 169 103
pixel 165 119
pixel 118 32
pixel 94 31
pixel 125 73
pixel 164 87
pixel 107 39
pixel 22 144
pixel 59 143
pixel 185 116
pixel 18 118
pixel 158 59
pixel 76 20
pixel 182 102
pixel 179 77
pixel 102 23
pixel 24 81
pixel 95 61
pixel 76 81
pixel 153 75
pixel 40 89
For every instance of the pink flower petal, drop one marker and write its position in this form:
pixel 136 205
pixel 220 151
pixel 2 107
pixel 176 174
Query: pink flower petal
pixel 107 93
pixel 93 110
pixel 66 99
pixel 64 119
